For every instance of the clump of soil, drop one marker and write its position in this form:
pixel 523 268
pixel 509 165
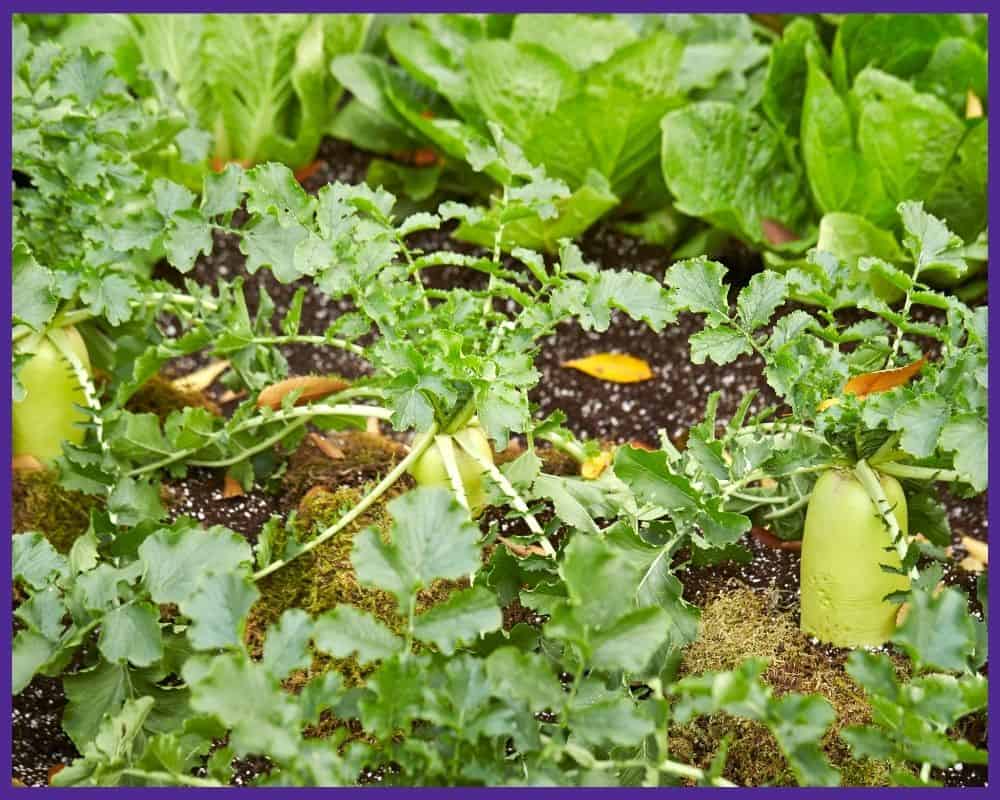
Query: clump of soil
pixel 740 623
pixel 358 457
pixel 41 504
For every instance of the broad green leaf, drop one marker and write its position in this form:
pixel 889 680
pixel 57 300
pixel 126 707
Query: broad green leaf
pixel 616 720
pixel 729 166
pixel 175 561
pixel 526 676
pixel 581 40
pixel 31 651
pixel 347 631
pixel 36 561
pixel 759 299
pixel 218 608
pixel 131 633
pixel 966 436
pixel 920 422
pixel 721 345
pixel 516 85
pixel 938 632
pixel 465 616
pixel 432 538
pixel 698 287
pixel 286 647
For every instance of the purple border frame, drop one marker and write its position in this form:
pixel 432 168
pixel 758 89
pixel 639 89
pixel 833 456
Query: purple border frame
pixel 431 6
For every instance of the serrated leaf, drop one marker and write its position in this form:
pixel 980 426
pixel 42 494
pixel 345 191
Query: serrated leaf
pixel 722 345
pixel 698 287
pixel 131 633
pixel 218 608
pixel 461 619
pixel 347 631
pixel 760 298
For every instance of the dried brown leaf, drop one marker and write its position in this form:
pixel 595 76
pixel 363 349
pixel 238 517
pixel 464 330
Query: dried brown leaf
pixel 200 379
pixel 882 381
pixel 326 447
pixel 232 488
pixel 312 387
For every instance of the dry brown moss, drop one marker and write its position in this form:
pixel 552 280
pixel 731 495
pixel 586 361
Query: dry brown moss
pixel 41 504
pixel 160 396
pixel 739 623
pixel 363 457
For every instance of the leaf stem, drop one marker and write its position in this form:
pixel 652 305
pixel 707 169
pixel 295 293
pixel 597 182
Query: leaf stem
pixel 257 448
pixel 306 412
pixel 516 500
pixel 869 481
pixel 568 445
pixel 168 778
pixel 446 447
pixel 789 509
pixel 914 472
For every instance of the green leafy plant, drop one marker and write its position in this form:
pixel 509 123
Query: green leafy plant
pixel 860 403
pixel 913 719
pixel 448 696
pixel 86 230
pixel 259 83
pixel 441 360
pixel 546 82
pixel 881 120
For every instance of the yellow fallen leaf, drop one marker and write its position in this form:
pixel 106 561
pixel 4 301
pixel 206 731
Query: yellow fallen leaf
pixel 882 381
pixel 976 549
pixel 592 468
pixel 200 379
pixel 613 367
pixel 973 105
pixel 970 564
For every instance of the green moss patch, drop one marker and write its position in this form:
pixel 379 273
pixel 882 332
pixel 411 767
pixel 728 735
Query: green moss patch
pixel 738 623
pixel 41 504
pixel 324 578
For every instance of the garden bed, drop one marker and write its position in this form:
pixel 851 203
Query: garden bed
pixel 748 608
pixel 389 410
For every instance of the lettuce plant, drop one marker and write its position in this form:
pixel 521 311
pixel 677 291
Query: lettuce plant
pixel 547 82
pixel 840 138
pixel 259 84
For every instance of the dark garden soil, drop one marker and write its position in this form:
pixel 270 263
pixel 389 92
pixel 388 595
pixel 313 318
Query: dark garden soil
pixel 671 401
